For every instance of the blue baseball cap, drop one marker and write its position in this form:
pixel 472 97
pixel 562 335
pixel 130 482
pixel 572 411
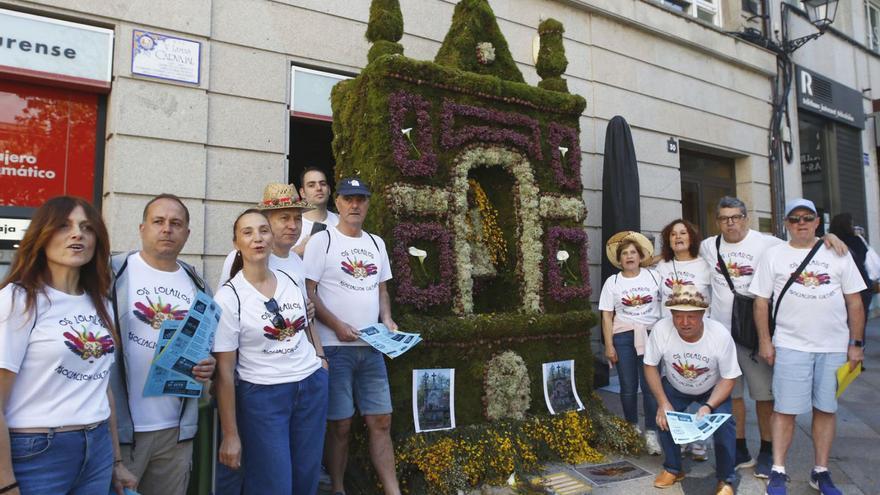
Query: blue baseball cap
pixel 352 186
pixel 799 203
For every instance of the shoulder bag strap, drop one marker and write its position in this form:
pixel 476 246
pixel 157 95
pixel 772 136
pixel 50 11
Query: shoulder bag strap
pixel 722 264
pixel 228 283
pixel 794 276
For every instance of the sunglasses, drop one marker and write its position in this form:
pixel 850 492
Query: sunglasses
pixel 277 320
pixel 795 219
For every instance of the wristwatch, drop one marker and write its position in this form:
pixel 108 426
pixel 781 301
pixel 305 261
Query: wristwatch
pixel 857 343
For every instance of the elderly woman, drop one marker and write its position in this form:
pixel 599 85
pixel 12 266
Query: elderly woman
pixel 57 343
pixel 274 415
pixel 630 306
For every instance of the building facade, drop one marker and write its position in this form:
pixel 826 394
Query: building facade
pixel 212 99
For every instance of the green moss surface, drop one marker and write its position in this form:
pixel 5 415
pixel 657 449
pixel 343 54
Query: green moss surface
pixel 386 21
pixel 474 22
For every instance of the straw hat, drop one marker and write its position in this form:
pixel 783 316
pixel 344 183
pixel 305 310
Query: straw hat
pixel 618 238
pixel 686 298
pixel 277 196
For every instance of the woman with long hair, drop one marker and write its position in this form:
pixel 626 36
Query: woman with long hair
pixel 629 305
pixel 681 262
pixel 57 343
pixel 275 415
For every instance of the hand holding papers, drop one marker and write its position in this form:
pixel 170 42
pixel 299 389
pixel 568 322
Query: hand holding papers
pixel 392 344
pixel 181 345
pixel 686 428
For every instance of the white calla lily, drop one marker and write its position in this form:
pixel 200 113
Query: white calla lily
pixel 561 255
pixel 406 131
pixel 418 253
pixel 563 150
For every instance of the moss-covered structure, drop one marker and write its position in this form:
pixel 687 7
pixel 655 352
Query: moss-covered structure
pixel 476 180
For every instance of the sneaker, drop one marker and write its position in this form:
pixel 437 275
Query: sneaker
pixel 822 482
pixel 666 479
pixel 724 488
pixel 743 459
pixel 653 443
pixel 324 481
pixel 776 486
pixel 699 452
pixel 764 465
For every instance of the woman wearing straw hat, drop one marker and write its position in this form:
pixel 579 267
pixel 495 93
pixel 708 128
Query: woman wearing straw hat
pixel 630 306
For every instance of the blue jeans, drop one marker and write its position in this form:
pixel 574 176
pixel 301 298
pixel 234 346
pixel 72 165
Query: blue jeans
pixel 71 463
pixel 724 437
pixel 631 373
pixel 282 434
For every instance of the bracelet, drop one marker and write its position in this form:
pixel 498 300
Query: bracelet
pixel 9 487
pixel 711 409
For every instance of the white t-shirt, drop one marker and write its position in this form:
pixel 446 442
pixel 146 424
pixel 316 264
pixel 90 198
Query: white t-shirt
pixel 812 313
pixel 693 368
pixel 742 258
pixel 155 296
pixel 332 220
pixel 62 365
pixel 348 277
pixel 636 299
pixel 673 273
pixel 292 265
pixel 266 355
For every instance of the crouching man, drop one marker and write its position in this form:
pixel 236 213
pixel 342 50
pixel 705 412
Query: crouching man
pixel 700 366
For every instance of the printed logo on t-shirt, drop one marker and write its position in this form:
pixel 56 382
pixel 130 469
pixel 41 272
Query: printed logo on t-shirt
pixel 89 346
pixel 636 300
pixel 290 329
pixel 813 279
pixel 735 269
pixel 691 369
pixel 358 268
pixel 154 313
pixel 688 370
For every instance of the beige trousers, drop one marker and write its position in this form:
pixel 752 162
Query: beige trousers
pixel 161 464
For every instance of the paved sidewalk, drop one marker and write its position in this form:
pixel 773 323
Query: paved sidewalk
pixel 855 457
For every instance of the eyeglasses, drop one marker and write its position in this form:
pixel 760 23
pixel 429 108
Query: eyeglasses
pixel 795 219
pixel 277 320
pixel 731 218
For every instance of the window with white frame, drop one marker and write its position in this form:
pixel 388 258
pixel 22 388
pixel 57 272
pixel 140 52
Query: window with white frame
pixel 872 14
pixel 705 10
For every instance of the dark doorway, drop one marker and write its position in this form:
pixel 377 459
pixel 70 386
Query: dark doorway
pixel 310 146
pixel 705 178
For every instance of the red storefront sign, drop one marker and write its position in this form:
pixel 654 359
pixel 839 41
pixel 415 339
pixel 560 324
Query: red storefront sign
pixel 47 143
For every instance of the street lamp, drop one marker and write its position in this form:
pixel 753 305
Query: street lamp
pixel 821 14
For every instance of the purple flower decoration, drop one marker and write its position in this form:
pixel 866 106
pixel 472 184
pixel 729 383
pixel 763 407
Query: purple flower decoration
pixel 407 290
pixel 401 104
pixel 451 138
pixel 566 164
pixel 556 288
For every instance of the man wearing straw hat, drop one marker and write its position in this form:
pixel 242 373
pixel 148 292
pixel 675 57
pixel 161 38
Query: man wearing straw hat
pixel 700 366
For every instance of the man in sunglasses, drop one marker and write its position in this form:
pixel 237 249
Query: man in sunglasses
pixel 741 249
pixel 347 270
pixel 820 326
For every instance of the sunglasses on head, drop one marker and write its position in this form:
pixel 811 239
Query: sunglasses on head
pixel 277 320
pixel 795 219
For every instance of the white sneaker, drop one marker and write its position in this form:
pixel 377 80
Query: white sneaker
pixel 699 451
pixel 653 443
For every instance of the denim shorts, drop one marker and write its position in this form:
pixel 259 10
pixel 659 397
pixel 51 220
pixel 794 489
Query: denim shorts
pixel 805 380
pixel 357 377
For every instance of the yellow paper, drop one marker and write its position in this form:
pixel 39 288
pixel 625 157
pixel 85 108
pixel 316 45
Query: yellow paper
pixel 845 376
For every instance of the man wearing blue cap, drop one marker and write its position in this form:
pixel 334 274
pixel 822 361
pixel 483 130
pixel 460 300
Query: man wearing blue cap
pixel 346 272
pixel 820 325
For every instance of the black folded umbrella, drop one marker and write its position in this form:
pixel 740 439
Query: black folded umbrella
pixel 620 186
